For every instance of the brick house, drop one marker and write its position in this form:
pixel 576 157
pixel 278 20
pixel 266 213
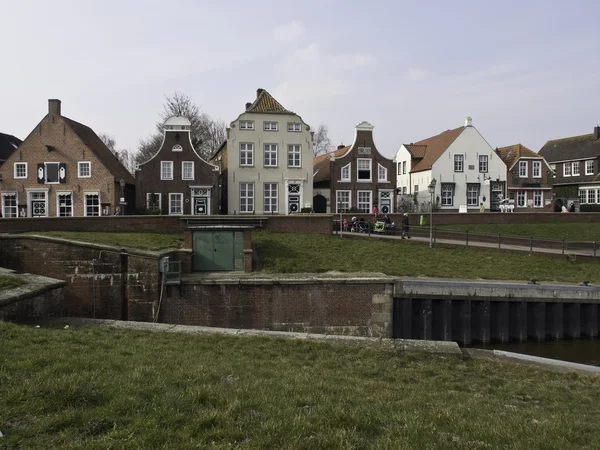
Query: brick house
pixel 176 180
pixel 356 177
pixel 8 144
pixel 63 169
pixel 529 178
pixel 576 165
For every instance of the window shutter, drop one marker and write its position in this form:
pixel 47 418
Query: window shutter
pixel 62 173
pixel 41 175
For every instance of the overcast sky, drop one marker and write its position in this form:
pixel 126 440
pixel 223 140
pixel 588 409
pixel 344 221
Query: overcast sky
pixel 526 71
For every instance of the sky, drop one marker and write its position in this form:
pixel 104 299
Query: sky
pixel 525 71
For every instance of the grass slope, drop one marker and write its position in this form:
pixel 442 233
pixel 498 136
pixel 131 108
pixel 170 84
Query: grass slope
pixel 142 241
pixel 567 231
pixel 98 388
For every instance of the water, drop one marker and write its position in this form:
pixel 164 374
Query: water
pixel 583 351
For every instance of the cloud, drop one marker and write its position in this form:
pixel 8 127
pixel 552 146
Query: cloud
pixel 416 74
pixel 291 32
pixel 353 61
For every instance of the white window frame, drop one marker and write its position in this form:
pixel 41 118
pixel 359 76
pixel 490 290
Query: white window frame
pixel 473 194
pixel 85 203
pixel 16 205
pixel 382 170
pixel 270 150
pixel 246 124
pixel 589 167
pixel 270 126
pixel 164 166
pixel 566 169
pixel 536 169
pixel 404 167
pixel 445 199
pixel 183 175
pixel 523 169
pixel 294 127
pixel 538 199
pixel 346 173
pixel 46 164
pixel 247 201
pixel 148 194
pixel 172 197
pixel 459 163
pixel 358 169
pixel 80 169
pixel 483 164
pixel 521 195
pixel 246 154
pixel 60 194
pixel 177 148
pixel 294 155
pixel 23 164
pixel 271 201
pixel 367 206
pixel 345 203
pixel 575 168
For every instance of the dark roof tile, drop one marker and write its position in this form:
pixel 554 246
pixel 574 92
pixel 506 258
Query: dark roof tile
pixel 576 147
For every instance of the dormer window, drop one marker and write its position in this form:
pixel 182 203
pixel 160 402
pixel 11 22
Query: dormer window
pixel 270 126
pixel 246 125
pixel 177 148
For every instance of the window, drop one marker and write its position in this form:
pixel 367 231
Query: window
pixel 187 170
pixel 483 163
pixel 399 168
pixel 175 203
pixel 9 204
pixel 363 169
pixel 537 169
pixel 404 167
pixel 522 199
pixel 589 195
pixel 246 154
pixel 447 194
pixel 246 125
pixel 270 155
pixel 404 190
pixel 92 203
pixel 21 170
pixel 589 167
pixel 472 194
pixel 153 201
pixel 522 169
pixel 346 172
pixel 271 197
pixel 364 201
pixel 342 201
pixel 65 204
pixel 582 196
pixel 294 127
pixel 166 170
pixel 537 199
pixel 246 197
pixel 177 148
pixel 575 169
pixel 567 169
pixel 381 174
pixel 52 173
pixel 270 126
pixel 84 169
pixel 459 163
pixel 294 155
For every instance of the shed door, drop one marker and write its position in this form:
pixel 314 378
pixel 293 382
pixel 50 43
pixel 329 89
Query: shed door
pixel 217 250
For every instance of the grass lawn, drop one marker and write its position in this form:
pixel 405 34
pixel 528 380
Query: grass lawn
pixel 288 252
pixel 97 388
pixel 567 231
pixel 142 241
pixel 9 282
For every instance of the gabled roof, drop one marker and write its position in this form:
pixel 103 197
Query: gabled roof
pixel 511 154
pixel 265 103
pixel 435 147
pixel 91 139
pixel 576 147
pixel 8 144
pixel 322 166
pixel 221 148
pixel 416 150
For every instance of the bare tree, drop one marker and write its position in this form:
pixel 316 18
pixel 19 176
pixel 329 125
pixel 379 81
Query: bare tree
pixel 206 133
pixel 123 156
pixel 321 141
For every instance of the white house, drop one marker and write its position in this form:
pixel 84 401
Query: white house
pixel 467 170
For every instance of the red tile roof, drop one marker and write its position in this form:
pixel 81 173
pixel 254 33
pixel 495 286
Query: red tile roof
pixel 512 153
pixel 436 146
pixel 322 166
pixel 265 103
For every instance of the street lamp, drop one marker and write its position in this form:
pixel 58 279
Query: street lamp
pixel 122 199
pixel 431 189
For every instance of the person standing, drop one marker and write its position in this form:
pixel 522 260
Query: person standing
pixel 405 226
pixel 375 211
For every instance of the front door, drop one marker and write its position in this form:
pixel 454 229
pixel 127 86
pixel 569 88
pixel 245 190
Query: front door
pixel 200 206
pixel 496 194
pixel 319 204
pixel 38 204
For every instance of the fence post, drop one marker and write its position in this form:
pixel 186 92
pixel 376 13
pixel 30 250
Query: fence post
pixel 467 241
pixel 594 248
pixel 530 243
pixel 434 228
pixel 369 228
pixel 563 246
pixel 498 240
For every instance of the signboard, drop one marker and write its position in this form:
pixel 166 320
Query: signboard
pixel 123 203
pixel 462 209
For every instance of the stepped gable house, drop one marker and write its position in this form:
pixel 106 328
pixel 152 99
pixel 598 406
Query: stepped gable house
pixel 176 180
pixel 266 163
pixel 63 169
pixel 576 164
pixel 8 144
pixel 529 178
pixel 355 178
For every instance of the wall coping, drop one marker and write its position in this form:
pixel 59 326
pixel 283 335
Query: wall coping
pixel 257 278
pixel 34 286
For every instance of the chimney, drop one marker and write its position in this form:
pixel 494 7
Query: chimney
pixel 468 122
pixel 341 146
pixel 248 105
pixel 54 106
pixel 597 132
pixel 258 92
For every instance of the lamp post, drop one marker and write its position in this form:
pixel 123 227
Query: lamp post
pixel 122 199
pixel 431 189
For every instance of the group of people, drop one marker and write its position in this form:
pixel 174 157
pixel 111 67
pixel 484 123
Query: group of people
pixel 381 224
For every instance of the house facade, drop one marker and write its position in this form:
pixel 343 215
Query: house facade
pixel 576 165
pixel 468 172
pixel 529 178
pixel 359 177
pixel 176 180
pixel 266 163
pixel 63 169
